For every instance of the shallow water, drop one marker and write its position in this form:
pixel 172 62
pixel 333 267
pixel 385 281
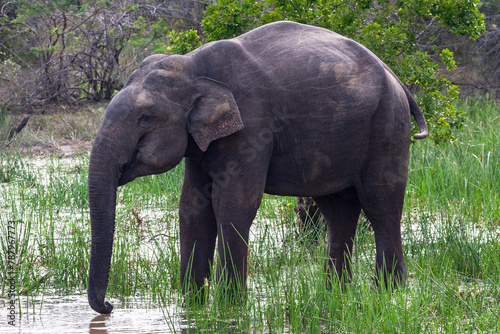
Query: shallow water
pixel 72 314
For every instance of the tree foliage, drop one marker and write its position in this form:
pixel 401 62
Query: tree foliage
pixel 69 50
pixel 479 61
pixel 403 34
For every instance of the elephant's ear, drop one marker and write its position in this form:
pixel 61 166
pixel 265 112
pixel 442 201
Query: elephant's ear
pixel 214 113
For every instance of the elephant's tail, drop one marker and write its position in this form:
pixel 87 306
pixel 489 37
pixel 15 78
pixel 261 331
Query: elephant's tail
pixel 417 114
pixel 414 108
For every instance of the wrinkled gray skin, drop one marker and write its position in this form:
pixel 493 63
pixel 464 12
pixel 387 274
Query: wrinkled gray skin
pixel 285 109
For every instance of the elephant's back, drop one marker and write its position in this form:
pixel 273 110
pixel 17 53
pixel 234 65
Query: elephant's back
pixel 335 72
pixel 290 43
pixel 292 57
pixel 287 32
pixel 287 45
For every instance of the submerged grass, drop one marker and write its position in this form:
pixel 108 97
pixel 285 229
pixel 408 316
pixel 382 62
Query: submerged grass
pixel 450 236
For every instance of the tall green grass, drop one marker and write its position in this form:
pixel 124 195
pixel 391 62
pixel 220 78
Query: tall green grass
pixel 450 236
pixel 463 178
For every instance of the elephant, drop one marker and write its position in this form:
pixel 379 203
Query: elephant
pixel 285 109
pixel 310 222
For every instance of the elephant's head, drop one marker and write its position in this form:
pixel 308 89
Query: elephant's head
pixel 145 131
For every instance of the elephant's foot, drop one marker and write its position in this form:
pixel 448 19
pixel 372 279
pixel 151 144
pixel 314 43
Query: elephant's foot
pixel 390 272
pixel 338 272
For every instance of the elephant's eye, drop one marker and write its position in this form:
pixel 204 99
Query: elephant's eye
pixel 145 119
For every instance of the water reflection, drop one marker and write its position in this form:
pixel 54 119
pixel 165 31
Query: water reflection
pixel 98 324
pixel 145 321
pixel 72 314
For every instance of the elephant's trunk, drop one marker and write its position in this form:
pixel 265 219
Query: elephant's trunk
pixel 103 182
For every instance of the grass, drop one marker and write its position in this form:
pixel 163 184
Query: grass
pixel 52 128
pixel 450 236
pixel 462 178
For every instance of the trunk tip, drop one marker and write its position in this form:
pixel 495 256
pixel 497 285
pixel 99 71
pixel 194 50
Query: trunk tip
pixel 421 135
pixel 106 308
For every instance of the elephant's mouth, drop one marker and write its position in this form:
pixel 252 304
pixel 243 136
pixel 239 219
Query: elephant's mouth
pixel 127 173
pixel 125 177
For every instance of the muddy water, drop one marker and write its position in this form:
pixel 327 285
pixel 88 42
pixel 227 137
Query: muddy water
pixel 72 314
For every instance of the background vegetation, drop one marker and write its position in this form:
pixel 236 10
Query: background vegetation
pixel 71 50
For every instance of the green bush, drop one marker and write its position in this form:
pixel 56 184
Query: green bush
pixel 183 42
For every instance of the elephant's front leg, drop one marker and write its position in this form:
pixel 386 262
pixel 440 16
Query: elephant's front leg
pixel 235 214
pixel 235 205
pixel 232 259
pixel 198 228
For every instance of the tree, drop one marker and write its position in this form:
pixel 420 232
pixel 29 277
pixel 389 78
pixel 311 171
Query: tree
pixel 69 50
pixel 479 60
pixel 488 48
pixel 403 34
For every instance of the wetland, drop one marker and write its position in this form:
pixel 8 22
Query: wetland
pixel 451 239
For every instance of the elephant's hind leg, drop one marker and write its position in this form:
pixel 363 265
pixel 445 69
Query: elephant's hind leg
pixel 341 214
pixel 382 199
